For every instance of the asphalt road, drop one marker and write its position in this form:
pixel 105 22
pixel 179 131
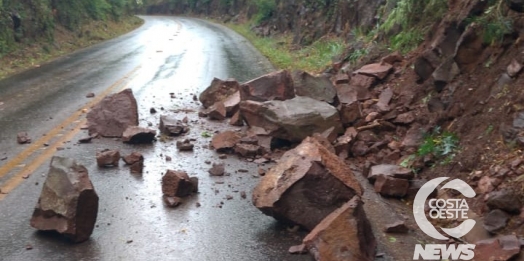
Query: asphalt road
pixel 166 55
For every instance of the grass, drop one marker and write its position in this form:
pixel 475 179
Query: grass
pixel 442 146
pixel 284 55
pixel 29 55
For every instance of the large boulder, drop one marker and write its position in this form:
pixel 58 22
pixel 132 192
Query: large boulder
pixel 273 86
pixel 292 120
pixel 319 88
pixel 345 234
pixel 218 91
pixel 68 203
pixel 308 184
pixel 111 116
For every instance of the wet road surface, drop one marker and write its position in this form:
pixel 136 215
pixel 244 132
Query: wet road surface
pixel 166 55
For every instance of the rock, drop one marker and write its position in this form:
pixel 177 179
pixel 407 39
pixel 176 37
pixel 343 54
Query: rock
pixel 377 70
pixel 87 139
pixel 138 135
pixel 506 200
pixel 90 95
pixel 23 138
pixel 232 104
pixel 68 203
pixel 343 142
pixel 445 73
pixel 308 184
pixel 413 137
pixel 217 169
pixel 485 185
pixel 273 86
pixel 152 110
pixel 247 150
pixel 169 125
pixel 390 170
pixel 396 227
pixel 217 111
pixel 392 58
pixel 362 83
pixel 384 99
pixel 298 250
pixel 107 158
pixel 515 5
pixel 502 248
pixel 176 184
pixel 111 116
pixel 185 145
pixel 218 91
pixel 225 140
pixel 194 182
pixel 137 167
pixel 236 119
pixel 291 120
pixel 341 78
pixel 495 220
pixel 319 88
pixel 133 158
pixel 359 148
pixel 391 187
pixel 405 118
pixel 172 202
pixel 345 234
pixel 349 113
pixel 514 68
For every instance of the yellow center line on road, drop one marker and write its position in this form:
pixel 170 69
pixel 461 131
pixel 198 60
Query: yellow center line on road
pixel 13 182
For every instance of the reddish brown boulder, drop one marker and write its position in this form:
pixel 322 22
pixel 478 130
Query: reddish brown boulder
pixel 345 234
pixel 293 119
pixel 392 58
pixel 138 135
pixel 273 86
pixel 217 111
pixel 232 104
pixel 219 90
pixel 502 248
pixel 225 140
pixel 378 70
pixel 68 203
pixel 177 184
pixel 308 184
pixel 111 116
pixel 236 119
pixel 170 125
pixel 106 158
pixel 391 187
pixel 316 87
pixel 23 138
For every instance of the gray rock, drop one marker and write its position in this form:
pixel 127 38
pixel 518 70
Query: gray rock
pixel 506 200
pixel 138 135
pixel 495 220
pixel 390 170
pixel 68 203
pixel 292 120
pixel 170 125
pixel 219 90
pixel 319 88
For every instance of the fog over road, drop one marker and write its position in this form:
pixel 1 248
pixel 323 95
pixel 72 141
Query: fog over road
pixel 166 55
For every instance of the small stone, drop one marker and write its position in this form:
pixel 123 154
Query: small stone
pixel 229 197
pixel 90 95
pixel 133 158
pixel 168 158
pixel 152 110
pixel 172 201
pixel 23 138
pixel 261 171
pixel 222 156
pixel 185 145
pixel 107 158
pixel 217 169
pixel 28 247
pixel 243 194
pixel 243 171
